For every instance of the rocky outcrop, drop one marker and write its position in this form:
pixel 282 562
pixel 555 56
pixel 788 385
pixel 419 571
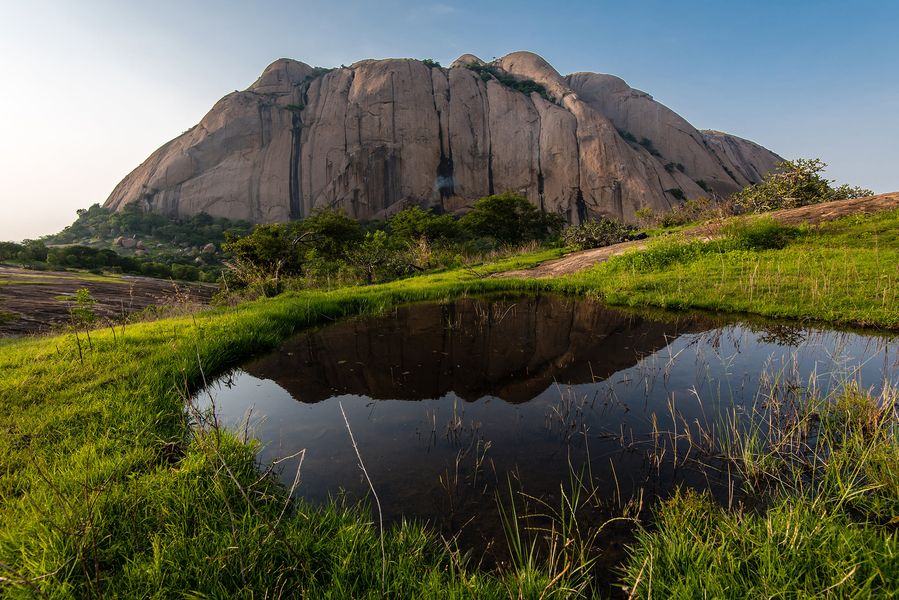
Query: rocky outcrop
pixel 381 134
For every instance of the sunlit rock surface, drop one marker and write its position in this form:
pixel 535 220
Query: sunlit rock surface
pixel 382 134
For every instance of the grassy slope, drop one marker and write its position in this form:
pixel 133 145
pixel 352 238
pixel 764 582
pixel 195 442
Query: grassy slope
pixel 846 271
pixel 103 489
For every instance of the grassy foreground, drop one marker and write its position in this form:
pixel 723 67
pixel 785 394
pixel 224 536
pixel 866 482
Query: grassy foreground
pixel 106 489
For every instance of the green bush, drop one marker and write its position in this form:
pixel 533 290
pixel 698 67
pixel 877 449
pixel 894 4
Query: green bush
pixel 677 193
pixel 688 212
pixel 10 250
pixel 627 136
pixel 793 184
pixel 759 234
pixel 525 86
pixel 596 234
pixel 415 223
pixel 185 272
pixel 509 219
pixel 647 143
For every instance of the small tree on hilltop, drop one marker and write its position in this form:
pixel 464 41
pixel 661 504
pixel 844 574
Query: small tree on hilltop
pixel 793 184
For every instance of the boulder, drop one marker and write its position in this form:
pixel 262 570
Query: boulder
pixel 381 134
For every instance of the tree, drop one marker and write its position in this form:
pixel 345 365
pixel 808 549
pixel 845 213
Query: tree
pixel 33 251
pixel 376 255
pixel 9 250
pixel 414 223
pixel 793 184
pixel 331 232
pixel 509 219
pixel 264 256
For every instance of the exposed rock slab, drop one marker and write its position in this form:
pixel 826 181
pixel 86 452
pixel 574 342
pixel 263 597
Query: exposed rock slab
pixel 382 134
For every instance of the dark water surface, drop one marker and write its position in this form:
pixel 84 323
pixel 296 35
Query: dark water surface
pixel 449 402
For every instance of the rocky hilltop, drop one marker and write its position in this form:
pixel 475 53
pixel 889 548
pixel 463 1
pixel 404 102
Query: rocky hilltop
pixel 381 134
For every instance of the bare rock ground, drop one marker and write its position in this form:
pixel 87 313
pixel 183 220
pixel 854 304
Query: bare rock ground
pixel 35 301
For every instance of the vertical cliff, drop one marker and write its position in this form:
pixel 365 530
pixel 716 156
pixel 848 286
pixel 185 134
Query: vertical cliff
pixel 381 134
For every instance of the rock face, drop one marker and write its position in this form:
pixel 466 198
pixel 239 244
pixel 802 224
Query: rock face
pixel 382 134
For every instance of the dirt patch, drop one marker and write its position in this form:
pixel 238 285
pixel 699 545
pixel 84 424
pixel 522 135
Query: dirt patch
pixel 35 302
pixel 816 213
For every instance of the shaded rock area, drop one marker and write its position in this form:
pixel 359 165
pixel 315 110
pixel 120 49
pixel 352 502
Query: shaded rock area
pixel 511 349
pixel 379 135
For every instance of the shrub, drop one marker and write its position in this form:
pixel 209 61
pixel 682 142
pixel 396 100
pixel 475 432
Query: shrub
pixel 646 216
pixel 525 86
pixel 647 143
pixel 677 193
pixel 10 250
pixel 428 62
pixel 759 234
pixel 319 72
pixel 795 183
pixel 688 212
pixel 627 136
pixel 33 251
pixel 509 219
pixel 596 234
pixel 414 223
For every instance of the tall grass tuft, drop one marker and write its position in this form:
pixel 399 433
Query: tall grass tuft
pixel 823 473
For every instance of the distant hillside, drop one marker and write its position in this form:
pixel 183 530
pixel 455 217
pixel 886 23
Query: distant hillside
pixel 131 241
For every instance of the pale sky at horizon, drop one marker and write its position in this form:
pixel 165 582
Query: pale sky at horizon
pixel 89 89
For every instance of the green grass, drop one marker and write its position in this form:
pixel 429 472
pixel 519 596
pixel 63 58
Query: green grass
pixel 843 272
pixel 830 476
pixel 106 489
pixel 24 279
pixel 29 281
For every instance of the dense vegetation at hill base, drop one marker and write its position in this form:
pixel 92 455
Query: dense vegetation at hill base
pixel 131 241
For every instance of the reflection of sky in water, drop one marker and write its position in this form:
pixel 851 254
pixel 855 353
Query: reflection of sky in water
pixel 442 459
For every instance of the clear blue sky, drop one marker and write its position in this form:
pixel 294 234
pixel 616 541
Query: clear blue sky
pixel 89 89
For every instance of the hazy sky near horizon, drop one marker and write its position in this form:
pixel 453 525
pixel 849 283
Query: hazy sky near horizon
pixel 89 89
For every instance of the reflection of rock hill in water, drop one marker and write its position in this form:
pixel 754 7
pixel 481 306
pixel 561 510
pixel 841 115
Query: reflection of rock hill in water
pixel 512 349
